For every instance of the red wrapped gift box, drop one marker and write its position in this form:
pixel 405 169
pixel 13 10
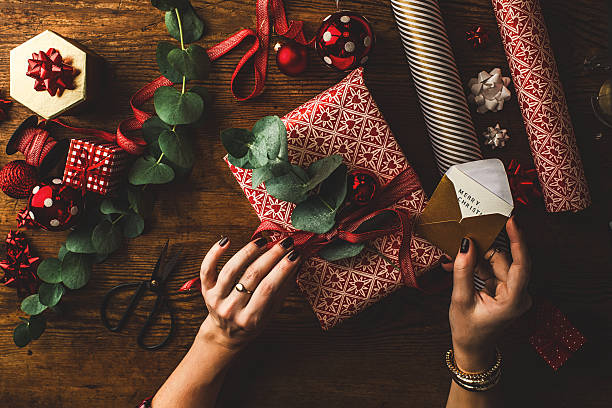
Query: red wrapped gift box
pixel 94 166
pixel 345 120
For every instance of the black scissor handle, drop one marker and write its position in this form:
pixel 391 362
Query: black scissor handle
pixel 161 305
pixel 141 287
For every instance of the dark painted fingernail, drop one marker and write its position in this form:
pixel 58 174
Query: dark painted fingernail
pixel 446 260
pixel 287 242
pixel 261 242
pixel 293 256
pixel 465 245
pixel 223 241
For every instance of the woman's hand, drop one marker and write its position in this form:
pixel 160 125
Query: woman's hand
pixel 477 318
pixel 235 318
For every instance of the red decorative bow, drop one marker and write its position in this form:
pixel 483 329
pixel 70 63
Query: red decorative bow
pixel 50 72
pixel 24 220
pixel 523 183
pixel 19 266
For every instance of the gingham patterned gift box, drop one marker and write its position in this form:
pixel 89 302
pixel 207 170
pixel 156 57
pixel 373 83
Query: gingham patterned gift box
pixel 345 120
pixel 106 163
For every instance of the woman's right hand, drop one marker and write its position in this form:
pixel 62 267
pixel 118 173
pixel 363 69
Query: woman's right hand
pixel 477 318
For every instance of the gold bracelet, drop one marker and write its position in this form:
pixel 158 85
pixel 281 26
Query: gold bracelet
pixel 475 381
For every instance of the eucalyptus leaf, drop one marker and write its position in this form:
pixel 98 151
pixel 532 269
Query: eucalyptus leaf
pixel 36 326
pixel 60 255
pixel 79 241
pixel 340 249
pixel 167 5
pixel 193 62
pixel 258 154
pixel 177 147
pixel 50 270
pixel 322 168
pixel 133 225
pixel 50 293
pixel 140 201
pixel 99 258
pixel 289 187
pixel 208 103
pixel 21 335
pixel 237 141
pixel 275 168
pixel 269 131
pixel 151 129
pixel 242 162
pixel 76 270
pixel 313 215
pixel 106 237
pixel 32 306
pixel 193 27
pixel 108 206
pixel 176 108
pixel 146 170
pixel 333 188
pixel 161 54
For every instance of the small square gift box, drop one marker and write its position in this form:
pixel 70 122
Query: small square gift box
pixel 345 120
pixel 51 74
pixel 93 166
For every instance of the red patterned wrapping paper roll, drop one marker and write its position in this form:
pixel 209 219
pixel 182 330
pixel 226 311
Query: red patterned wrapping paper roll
pixel 543 104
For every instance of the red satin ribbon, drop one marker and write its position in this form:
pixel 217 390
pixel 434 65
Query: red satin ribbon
pixel 50 72
pixel 347 226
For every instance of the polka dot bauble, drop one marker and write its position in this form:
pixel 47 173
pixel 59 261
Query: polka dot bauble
pixel 344 40
pixel 54 206
pixel 17 179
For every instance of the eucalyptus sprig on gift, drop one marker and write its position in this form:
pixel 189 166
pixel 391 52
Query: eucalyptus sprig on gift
pixel 108 222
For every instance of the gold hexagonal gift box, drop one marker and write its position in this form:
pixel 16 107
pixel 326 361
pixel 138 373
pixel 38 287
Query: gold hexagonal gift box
pixel 86 67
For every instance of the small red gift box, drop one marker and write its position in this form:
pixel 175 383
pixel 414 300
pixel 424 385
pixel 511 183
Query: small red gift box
pixel 345 120
pixel 93 166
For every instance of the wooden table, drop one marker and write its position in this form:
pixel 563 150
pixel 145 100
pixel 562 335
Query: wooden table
pixel 390 355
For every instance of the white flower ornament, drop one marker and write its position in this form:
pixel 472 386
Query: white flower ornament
pixel 489 91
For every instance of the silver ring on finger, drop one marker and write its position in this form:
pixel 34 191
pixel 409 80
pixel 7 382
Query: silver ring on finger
pixel 242 289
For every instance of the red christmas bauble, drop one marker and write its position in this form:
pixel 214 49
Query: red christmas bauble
pixel 17 179
pixel 54 206
pixel 344 40
pixel 291 58
pixel 362 187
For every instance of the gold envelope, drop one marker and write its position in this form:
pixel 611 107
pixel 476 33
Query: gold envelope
pixel 456 208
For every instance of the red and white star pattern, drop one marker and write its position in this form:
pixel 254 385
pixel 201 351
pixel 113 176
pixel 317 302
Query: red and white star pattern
pixel 345 120
pixel 543 105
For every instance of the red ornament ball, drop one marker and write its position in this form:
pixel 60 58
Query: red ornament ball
pixel 344 40
pixel 17 179
pixel 54 206
pixel 362 187
pixel 291 58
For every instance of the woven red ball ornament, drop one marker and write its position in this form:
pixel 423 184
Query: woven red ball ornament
pixel 54 206
pixel 17 179
pixel 362 187
pixel 344 40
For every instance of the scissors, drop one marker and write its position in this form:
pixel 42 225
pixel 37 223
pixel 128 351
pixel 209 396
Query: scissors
pixel 156 284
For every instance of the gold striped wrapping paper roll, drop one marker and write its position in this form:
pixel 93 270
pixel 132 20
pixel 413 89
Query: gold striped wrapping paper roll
pixel 543 105
pixel 436 79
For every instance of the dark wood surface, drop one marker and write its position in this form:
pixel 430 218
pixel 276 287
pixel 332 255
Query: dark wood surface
pixel 390 355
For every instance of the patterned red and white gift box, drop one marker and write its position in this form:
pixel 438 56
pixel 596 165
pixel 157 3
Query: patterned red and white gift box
pixel 345 120
pixel 99 166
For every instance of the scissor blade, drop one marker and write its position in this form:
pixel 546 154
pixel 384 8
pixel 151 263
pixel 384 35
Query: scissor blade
pixel 157 275
pixel 168 267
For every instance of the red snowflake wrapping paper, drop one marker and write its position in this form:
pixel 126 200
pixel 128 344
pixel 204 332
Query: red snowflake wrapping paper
pixel 543 105
pixel 345 120
pixel 98 165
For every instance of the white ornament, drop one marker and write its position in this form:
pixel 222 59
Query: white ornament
pixel 496 136
pixel 489 91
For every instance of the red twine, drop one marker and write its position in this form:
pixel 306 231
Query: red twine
pixel 523 183
pixel 35 143
pixel 19 266
pixel 50 72
pixel 17 179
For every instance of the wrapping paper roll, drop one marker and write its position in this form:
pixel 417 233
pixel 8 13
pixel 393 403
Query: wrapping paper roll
pixel 437 82
pixel 543 105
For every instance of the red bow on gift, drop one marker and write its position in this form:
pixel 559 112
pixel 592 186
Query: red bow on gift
pixel 19 266
pixel 523 183
pixel 354 226
pixel 50 72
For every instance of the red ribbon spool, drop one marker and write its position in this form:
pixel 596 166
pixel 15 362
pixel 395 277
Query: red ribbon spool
pixel 35 142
